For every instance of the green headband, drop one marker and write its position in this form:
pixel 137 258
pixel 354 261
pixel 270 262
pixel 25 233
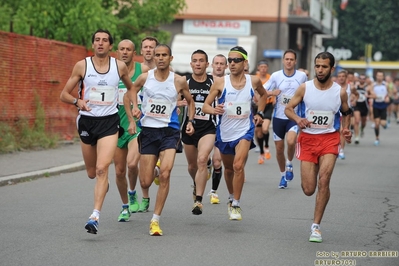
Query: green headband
pixel 243 55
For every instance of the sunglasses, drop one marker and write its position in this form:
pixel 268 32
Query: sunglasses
pixel 235 59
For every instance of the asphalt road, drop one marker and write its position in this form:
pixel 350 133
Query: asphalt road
pixel 42 221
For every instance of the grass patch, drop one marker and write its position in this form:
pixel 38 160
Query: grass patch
pixel 22 136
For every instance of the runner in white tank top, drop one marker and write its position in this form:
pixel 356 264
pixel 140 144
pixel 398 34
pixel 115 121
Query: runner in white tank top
pixel 318 143
pixel 98 121
pixel 234 135
pixel 160 132
pixel 283 84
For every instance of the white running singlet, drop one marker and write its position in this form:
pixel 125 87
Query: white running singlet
pixel 101 89
pixel 288 86
pixel 159 102
pixel 237 117
pixel 322 108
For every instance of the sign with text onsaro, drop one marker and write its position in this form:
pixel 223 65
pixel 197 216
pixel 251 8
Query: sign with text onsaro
pixel 217 27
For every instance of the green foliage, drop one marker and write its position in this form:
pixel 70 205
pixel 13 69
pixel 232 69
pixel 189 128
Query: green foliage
pixel 75 20
pixel 368 21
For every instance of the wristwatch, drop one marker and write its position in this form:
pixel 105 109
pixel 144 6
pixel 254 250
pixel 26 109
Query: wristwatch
pixel 260 113
pixel 75 102
pixel 192 121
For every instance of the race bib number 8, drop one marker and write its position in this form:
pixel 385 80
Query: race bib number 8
pixel 102 95
pixel 238 110
pixel 320 119
pixel 158 108
pixel 198 112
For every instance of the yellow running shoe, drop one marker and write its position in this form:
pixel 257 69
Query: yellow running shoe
pixel 157 169
pixel 214 198
pixel 235 213
pixel 155 230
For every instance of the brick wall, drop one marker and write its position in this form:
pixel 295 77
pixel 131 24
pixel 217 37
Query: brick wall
pixel 29 64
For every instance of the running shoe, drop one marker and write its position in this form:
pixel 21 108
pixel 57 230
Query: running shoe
pixel 315 236
pixel 261 158
pixel 289 172
pixel 209 166
pixel 124 215
pixel 197 208
pixel 157 169
pixel 144 205
pixel 341 155
pixel 229 206
pixel 214 198
pixel 356 140
pixel 376 143
pixel 283 183
pixel 133 203
pixel 155 230
pixel 267 155
pixel 235 213
pixel 92 225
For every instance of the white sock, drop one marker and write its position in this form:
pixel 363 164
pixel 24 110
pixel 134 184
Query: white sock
pixel 235 202
pixel 287 162
pixel 315 226
pixel 282 174
pixel 96 214
pixel 155 217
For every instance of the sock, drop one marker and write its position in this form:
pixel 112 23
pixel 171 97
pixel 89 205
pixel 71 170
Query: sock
pixel 156 171
pixel 198 198
pixel 96 214
pixel 155 217
pixel 287 162
pixel 209 163
pixel 235 202
pixel 266 139
pixel 260 143
pixel 282 174
pixel 132 192
pixel 125 206
pixel 377 132
pixel 315 226
pixel 216 176
pixel 231 197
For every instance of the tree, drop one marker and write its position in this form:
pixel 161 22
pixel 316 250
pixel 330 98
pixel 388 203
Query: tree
pixel 368 21
pixel 75 20
pixel 140 18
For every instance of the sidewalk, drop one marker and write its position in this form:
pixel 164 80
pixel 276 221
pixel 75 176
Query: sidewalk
pixel 19 166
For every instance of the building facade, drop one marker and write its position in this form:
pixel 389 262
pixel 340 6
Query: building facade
pixel 265 28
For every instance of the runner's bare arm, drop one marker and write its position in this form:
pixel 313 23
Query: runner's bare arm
pixel 295 100
pixel 216 90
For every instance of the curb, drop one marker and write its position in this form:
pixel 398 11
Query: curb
pixel 13 179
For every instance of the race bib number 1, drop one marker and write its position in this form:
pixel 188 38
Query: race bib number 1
pixel 238 110
pixel 102 95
